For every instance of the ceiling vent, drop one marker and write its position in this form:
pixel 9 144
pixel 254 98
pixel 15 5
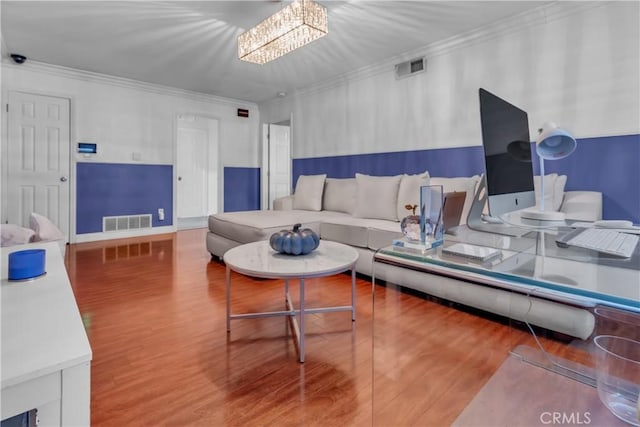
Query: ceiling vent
pixel 410 68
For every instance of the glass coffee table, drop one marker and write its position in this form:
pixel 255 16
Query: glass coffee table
pixel 569 295
pixel 259 260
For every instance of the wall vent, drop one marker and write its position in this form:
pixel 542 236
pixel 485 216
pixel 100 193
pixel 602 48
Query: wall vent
pixel 410 68
pixel 126 222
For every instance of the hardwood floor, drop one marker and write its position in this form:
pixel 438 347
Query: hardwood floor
pixel 154 310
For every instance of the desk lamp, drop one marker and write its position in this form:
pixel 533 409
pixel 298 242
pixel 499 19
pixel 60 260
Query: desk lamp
pixel 552 143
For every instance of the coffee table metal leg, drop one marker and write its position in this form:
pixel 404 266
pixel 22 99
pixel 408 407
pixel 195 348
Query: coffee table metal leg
pixel 228 277
pixel 302 316
pixel 353 294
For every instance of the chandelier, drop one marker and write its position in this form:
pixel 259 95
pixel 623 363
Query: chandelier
pixel 296 25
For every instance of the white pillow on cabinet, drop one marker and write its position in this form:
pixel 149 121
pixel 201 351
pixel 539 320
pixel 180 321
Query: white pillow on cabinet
pixel 44 228
pixel 13 234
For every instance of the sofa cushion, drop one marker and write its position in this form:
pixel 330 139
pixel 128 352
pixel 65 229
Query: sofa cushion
pixel 377 196
pixel 553 191
pixel 308 194
pixel 409 192
pixel 361 232
pixel 382 233
pixel 251 226
pixel 340 195
pixel 13 234
pixel 45 230
pixel 469 185
pixel 558 191
pixel 348 230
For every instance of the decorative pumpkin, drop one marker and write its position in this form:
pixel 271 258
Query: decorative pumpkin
pixel 294 242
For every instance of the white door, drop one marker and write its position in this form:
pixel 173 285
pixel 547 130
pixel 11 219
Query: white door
pixel 197 170
pixel 38 159
pixel 279 162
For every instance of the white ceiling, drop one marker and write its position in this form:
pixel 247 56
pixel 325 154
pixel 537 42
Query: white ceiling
pixel 192 44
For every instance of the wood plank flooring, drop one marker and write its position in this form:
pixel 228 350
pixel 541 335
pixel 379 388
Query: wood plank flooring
pixel 154 309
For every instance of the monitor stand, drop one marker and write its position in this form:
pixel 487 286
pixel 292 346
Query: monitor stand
pixel 476 222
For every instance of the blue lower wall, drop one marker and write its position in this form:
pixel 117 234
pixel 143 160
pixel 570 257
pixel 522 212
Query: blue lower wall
pixel 610 165
pixel 241 189
pixel 110 189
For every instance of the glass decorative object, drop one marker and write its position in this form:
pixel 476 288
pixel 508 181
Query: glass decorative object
pixel 431 203
pixel 410 225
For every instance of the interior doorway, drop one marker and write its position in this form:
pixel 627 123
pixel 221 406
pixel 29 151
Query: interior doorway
pixel 197 170
pixel 276 162
pixel 38 159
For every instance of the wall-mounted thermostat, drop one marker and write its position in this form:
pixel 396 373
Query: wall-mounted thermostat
pixel 87 148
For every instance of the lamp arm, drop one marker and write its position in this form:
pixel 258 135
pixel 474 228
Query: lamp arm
pixel 541 183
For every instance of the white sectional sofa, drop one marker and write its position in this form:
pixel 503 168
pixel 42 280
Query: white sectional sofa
pixel 365 211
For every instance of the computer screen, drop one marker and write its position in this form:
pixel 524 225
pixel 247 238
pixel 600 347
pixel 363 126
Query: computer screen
pixel 507 155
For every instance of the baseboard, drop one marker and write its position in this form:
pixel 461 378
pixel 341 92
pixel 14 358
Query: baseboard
pixel 94 237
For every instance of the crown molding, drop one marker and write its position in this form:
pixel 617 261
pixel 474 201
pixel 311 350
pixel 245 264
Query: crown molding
pixel 90 76
pixel 538 16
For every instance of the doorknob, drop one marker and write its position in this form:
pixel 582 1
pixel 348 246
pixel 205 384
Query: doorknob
pixel 63 179
pixel 179 178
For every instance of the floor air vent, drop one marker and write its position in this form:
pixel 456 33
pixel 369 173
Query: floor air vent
pixel 126 222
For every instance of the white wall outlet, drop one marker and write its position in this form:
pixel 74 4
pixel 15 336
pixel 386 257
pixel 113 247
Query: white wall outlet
pixel 161 214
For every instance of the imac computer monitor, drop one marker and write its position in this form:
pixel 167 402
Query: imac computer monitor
pixel 507 155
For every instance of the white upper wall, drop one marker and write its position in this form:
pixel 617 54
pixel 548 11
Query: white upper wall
pixel 574 63
pixel 125 117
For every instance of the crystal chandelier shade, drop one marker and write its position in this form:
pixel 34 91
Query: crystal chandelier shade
pixel 296 25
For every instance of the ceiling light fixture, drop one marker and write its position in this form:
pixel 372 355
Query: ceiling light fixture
pixel 296 25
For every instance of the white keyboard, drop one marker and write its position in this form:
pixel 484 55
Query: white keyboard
pixel 602 240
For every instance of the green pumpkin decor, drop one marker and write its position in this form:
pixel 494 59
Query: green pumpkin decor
pixel 294 242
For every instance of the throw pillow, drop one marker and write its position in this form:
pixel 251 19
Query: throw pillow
pixel 13 234
pixel 340 195
pixel 549 185
pixel 409 192
pixel 377 196
pixel 308 194
pixel 470 185
pixel 45 229
pixel 558 191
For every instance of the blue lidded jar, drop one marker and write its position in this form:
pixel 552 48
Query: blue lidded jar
pixel 26 264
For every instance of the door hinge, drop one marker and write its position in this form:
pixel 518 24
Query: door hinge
pixel 7 108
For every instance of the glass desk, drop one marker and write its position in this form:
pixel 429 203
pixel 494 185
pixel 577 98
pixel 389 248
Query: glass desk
pixel 538 303
pixel 533 264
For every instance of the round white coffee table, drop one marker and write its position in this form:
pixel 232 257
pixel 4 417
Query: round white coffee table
pixel 259 260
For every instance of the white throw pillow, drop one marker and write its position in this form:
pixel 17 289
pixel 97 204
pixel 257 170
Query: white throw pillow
pixel 308 194
pixel 409 192
pixel 45 229
pixel 340 195
pixel 549 186
pixel 377 196
pixel 13 234
pixel 558 191
pixel 468 184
